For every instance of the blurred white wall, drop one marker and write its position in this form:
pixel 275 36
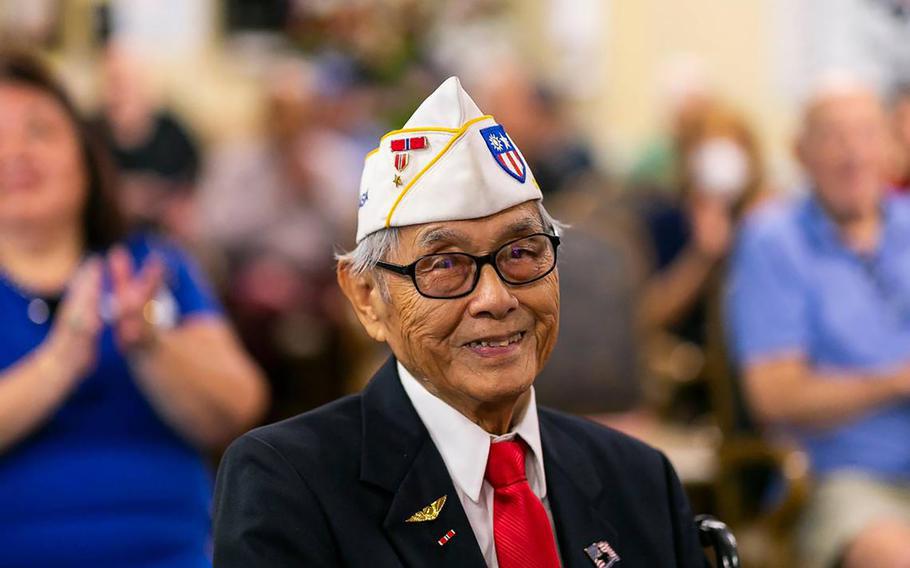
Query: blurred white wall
pixel 761 55
pixel 608 56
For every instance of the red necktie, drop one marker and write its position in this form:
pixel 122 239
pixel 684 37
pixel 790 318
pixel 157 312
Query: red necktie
pixel 521 529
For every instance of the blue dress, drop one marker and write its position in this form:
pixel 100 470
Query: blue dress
pixel 104 482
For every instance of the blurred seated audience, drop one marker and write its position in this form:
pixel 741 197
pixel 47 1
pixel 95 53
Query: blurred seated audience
pixel 118 372
pixel 155 153
pixel 720 177
pixel 819 313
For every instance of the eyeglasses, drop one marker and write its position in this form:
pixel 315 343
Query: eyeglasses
pixel 451 275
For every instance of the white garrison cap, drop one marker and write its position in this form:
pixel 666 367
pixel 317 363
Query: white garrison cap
pixel 450 162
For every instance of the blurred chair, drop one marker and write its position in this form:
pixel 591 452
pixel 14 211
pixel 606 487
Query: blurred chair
pixel 752 467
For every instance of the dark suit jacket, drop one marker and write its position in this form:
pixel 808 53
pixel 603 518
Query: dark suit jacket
pixel 334 486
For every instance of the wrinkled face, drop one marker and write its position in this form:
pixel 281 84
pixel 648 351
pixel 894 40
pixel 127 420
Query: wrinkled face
pixel 42 178
pixel 845 150
pixel 443 340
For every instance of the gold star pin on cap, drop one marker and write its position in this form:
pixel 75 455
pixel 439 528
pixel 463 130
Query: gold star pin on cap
pixel 428 513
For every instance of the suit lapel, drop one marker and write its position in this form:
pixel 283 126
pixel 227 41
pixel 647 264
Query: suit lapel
pixel 573 490
pixel 399 457
pixel 418 543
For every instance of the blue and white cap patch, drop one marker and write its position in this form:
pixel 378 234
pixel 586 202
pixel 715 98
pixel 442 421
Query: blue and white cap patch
pixel 504 151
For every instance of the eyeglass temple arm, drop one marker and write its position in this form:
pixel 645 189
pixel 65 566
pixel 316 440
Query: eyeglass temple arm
pixel 405 270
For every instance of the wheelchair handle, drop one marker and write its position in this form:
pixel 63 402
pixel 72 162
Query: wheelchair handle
pixel 715 534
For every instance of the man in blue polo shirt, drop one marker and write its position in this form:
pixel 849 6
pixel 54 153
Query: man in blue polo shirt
pixel 819 313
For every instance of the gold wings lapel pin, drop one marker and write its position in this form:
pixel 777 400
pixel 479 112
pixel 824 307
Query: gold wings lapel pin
pixel 428 513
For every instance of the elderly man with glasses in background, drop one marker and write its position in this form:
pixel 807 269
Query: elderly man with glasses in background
pixel 445 458
pixel 819 315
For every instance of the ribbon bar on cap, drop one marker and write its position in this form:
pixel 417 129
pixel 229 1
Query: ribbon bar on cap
pixel 413 143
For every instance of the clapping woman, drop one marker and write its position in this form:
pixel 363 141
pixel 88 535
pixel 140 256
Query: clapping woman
pixel 118 371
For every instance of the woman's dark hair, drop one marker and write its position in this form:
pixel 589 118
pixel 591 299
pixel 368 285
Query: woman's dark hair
pixel 102 223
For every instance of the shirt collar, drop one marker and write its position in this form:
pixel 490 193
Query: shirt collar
pixel 465 446
pixel 895 220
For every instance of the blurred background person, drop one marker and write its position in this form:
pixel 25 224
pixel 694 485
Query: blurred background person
pixel 596 366
pixel 117 370
pixel 900 124
pixel 536 120
pixel 720 176
pixel 156 154
pixel 274 207
pixel 819 313
pixel 686 92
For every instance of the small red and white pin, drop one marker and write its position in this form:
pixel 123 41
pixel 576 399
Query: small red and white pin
pixel 402 158
pixel 446 537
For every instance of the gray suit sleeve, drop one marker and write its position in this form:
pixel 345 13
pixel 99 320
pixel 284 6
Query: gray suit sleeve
pixel 265 514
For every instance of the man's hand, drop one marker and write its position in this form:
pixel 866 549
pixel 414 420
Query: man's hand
pixel 900 381
pixel 712 226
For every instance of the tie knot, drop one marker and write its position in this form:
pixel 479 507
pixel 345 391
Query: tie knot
pixel 506 463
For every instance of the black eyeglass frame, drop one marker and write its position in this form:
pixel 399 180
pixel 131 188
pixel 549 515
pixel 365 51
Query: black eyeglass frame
pixel 479 263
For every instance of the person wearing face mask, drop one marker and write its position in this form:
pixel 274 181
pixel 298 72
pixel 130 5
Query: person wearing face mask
pixel 117 370
pixel 720 177
pixel 445 459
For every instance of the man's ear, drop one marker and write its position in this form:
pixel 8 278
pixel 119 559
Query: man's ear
pixel 363 292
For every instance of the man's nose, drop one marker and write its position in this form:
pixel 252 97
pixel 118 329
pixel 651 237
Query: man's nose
pixel 492 296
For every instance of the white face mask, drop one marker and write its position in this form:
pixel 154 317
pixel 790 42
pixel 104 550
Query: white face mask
pixel 720 168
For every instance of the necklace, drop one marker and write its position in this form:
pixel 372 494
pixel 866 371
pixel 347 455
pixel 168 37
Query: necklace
pixel 38 309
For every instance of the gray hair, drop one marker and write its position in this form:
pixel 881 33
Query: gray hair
pixel 376 246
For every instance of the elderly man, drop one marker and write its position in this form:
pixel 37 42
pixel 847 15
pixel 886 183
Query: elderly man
pixel 819 309
pixel 445 458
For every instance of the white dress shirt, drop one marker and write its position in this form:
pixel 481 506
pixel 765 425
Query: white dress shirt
pixel 464 447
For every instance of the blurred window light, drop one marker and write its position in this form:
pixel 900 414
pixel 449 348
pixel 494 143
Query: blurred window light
pixel 163 28
pixel 866 38
pixel 577 30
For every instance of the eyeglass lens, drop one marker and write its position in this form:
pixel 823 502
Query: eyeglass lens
pixel 453 274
